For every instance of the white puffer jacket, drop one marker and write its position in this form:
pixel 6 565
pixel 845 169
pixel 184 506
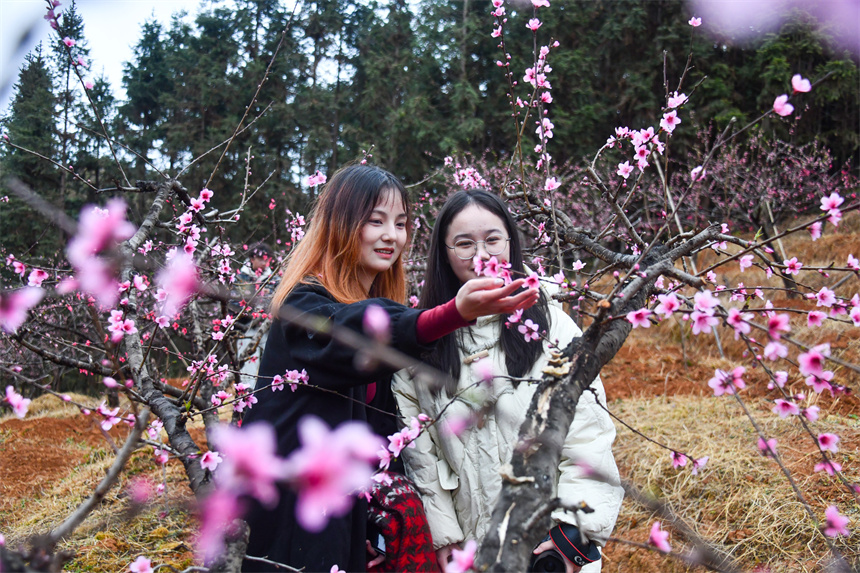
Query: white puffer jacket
pixel 458 476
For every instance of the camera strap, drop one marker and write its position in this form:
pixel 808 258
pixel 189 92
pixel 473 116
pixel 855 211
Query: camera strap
pixel 568 541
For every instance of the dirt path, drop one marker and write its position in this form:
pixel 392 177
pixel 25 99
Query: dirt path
pixel 35 453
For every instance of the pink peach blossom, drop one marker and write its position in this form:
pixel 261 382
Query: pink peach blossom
pixel 820 382
pixel 377 323
pixel 98 230
pixel 739 321
pixel 250 464
pixel 529 330
pixel 677 100
pixel 800 84
pixel 812 362
pixel 781 106
pixel 836 522
pixel 831 202
pixel 829 466
pixel 492 267
pixel 767 448
pixel 828 442
pixel 810 413
pixel 699 464
pixel 659 538
pixel 780 377
pixel 702 322
pixel 217 512
pixel 670 121
pixel 483 370
pixel 329 468
pixel 825 297
pixel 785 408
pixel 532 281
pixel 792 266
pixel 179 281
pixel 815 318
pixel 210 460
pixel 705 301
pixel 721 383
pixel 316 179
pixel 639 318
pixel 17 402
pixel 514 318
pixel 669 303
pixel 698 173
pixel 14 306
pixel 777 324
pixel 551 184
pixel 624 169
pixel 37 276
pixel 775 350
pixel 854 314
pixel 141 565
pixel 815 230
pixel 462 560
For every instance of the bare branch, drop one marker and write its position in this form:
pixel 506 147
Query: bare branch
pixel 73 521
pixel 94 367
pixel 40 205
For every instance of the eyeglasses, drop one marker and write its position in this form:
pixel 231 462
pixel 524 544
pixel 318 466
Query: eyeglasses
pixel 466 249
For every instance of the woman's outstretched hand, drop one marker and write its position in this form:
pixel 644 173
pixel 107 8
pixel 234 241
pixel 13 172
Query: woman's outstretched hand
pixel 489 296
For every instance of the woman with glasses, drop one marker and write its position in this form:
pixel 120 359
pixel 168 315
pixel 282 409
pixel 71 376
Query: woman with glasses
pixel 456 464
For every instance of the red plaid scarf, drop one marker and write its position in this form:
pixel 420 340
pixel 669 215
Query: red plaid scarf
pixel 398 513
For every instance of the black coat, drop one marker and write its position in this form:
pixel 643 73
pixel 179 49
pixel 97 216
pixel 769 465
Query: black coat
pixel 275 534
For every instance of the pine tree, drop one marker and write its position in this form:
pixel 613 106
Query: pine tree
pixel 392 109
pixel 93 160
pixel 145 79
pixel 65 63
pixel 30 127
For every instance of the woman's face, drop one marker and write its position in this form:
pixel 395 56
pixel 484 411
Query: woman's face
pixel 383 237
pixel 467 228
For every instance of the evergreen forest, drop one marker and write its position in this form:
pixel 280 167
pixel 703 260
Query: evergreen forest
pixel 406 83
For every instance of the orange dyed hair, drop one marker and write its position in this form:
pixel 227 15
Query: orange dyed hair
pixel 330 250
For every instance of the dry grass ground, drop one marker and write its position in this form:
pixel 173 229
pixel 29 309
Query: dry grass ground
pixel 52 460
pixel 740 501
pixel 657 383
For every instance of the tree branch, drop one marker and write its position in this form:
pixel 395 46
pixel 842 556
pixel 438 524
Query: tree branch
pixel 73 521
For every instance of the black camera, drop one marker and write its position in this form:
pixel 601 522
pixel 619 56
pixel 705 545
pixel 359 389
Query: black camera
pixel 568 545
pixel 550 561
pixel 377 540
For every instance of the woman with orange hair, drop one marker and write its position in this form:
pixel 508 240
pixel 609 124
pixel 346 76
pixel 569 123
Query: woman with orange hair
pixel 350 259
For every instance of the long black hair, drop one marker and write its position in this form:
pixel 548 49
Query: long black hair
pixel 441 285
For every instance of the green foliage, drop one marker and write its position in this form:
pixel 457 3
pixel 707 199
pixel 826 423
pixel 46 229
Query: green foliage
pixel 414 81
pixel 30 124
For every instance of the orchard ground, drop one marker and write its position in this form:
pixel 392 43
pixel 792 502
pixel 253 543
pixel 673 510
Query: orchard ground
pixel 50 461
